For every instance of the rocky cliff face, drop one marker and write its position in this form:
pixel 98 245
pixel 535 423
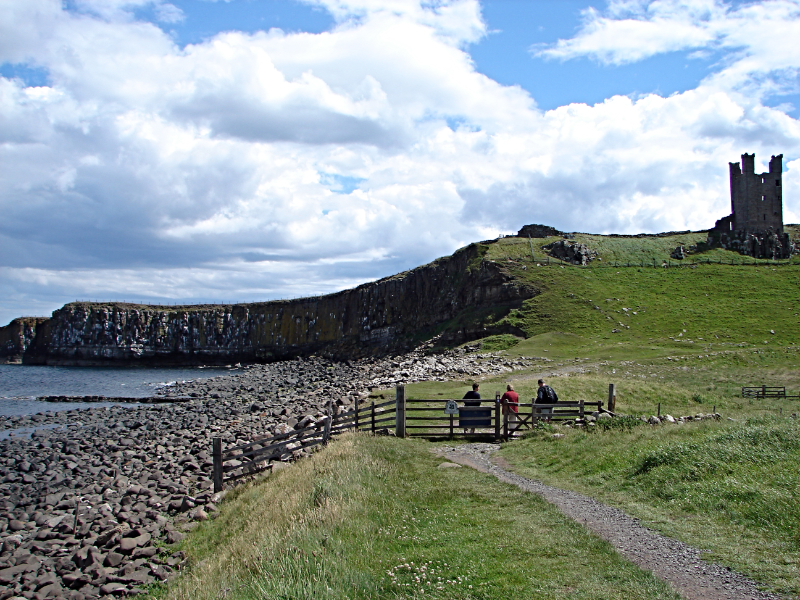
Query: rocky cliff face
pixel 17 337
pixel 447 295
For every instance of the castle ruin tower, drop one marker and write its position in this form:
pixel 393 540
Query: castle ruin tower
pixel 757 199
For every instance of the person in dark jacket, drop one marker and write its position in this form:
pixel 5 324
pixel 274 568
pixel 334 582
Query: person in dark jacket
pixel 470 400
pixel 546 395
pixel 473 395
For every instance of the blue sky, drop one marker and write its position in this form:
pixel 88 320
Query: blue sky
pixel 504 54
pixel 199 150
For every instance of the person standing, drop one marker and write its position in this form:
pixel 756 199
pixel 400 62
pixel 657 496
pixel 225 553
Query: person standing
pixel 546 395
pixel 470 400
pixel 473 395
pixel 510 402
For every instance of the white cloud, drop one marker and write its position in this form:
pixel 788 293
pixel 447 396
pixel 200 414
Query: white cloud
pixel 267 165
pixel 758 38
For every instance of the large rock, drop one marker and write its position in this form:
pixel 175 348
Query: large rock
pixel 571 252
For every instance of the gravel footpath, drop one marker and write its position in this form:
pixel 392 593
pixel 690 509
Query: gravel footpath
pixel 677 563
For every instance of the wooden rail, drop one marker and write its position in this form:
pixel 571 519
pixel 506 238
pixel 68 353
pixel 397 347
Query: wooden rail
pixel 530 414
pixel 764 391
pixel 258 455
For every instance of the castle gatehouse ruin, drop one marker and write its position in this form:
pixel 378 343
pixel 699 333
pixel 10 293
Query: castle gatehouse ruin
pixel 755 225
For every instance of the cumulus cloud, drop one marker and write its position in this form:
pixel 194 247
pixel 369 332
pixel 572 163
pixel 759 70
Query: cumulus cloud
pixel 254 166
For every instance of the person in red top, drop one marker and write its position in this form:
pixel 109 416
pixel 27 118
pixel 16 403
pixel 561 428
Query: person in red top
pixel 511 396
pixel 510 402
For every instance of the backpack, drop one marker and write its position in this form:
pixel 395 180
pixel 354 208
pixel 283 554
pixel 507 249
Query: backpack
pixel 551 394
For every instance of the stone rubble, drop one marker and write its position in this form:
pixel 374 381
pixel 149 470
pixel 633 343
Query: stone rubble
pixel 88 501
pixel 571 252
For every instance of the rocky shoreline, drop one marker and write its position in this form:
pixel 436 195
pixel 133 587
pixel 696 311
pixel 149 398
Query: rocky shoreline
pixel 89 500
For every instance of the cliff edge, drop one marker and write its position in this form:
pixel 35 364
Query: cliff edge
pixel 452 296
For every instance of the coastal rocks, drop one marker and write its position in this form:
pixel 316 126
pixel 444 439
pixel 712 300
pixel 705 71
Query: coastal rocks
pixel 17 337
pixel 571 252
pixel 91 500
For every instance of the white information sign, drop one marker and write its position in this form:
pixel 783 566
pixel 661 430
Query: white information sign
pixel 451 408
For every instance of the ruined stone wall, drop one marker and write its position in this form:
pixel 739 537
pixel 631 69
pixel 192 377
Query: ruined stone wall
pixel 538 231
pixel 372 318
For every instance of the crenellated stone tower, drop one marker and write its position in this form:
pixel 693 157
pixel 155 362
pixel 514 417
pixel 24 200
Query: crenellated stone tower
pixel 757 199
pixel 755 225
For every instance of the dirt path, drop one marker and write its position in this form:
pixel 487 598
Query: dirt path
pixel 676 563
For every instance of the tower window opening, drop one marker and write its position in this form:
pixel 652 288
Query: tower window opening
pixel 762 198
pixel 777 183
pixel 765 217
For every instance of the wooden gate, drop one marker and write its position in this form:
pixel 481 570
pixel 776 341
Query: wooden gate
pixel 427 418
pixel 530 414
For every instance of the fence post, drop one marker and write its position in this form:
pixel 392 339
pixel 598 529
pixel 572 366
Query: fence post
pixel 400 411
pixel 216 455
pixel 612 397
pixel 496 421
pixel 326 432
pixel 763 391
pixel 580 410
pixel 356 413
pixel 373 416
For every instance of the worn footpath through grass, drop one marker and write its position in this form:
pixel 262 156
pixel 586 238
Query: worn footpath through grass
pixel 373 517
pixel 730 488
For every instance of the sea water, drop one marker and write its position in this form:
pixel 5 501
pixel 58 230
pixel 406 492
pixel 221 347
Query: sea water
pixel 20 385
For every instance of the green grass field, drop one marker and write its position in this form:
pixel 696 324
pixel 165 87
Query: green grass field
pixel 377 518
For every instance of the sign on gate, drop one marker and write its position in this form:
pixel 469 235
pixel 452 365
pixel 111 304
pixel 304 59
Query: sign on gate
pixel 475 416
pixel 451 408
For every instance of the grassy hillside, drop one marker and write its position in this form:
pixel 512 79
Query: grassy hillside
pixel 715 303
pixel 685 340
pixel 687 337
pixel 379 518
pixel 360 519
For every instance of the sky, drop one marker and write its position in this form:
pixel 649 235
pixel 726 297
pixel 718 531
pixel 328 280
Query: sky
pixel 245 150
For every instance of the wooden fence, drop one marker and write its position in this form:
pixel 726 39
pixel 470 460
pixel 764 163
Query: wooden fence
pixel 765 391
pixel 492 420
pixel 254 457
